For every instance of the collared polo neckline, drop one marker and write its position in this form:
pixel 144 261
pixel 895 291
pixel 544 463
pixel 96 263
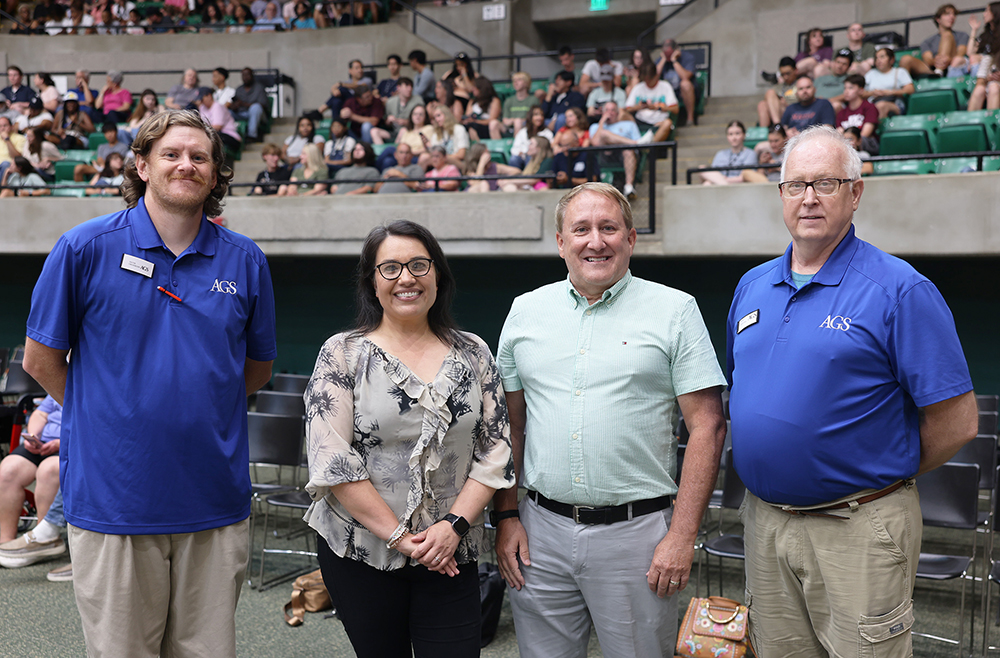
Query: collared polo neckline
pixel 833 270
pixel 607 297
pixel 147 237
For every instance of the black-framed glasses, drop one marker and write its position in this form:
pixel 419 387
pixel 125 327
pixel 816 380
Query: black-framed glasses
pixel 390 270
pixel 822 187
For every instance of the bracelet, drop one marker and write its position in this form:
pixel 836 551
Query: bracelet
pixel 397 536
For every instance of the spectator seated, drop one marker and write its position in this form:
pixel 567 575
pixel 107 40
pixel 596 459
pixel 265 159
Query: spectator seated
pixel 777 98
pixel 275 171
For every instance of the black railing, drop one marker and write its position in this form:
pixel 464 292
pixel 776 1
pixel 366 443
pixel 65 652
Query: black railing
pixel 803 37
pixel 440 26
pixel 698 170
pixel 395 179
pixel 652 151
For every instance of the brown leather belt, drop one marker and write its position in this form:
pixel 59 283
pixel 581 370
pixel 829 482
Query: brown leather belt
pixel 601 515
pixel 825 511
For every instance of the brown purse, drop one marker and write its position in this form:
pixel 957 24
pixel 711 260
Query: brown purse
pixel 308 595
pixel 715 627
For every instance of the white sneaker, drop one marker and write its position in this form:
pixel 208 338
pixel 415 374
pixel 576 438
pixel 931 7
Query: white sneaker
pixel 647 138
pixel 25 550
pixel 629 192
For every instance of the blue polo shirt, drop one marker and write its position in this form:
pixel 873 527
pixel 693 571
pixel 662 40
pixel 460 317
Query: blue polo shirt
pixel 827 379
pixel 154 435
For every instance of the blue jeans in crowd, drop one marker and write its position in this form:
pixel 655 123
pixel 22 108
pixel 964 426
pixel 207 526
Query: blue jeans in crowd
pixel 253 117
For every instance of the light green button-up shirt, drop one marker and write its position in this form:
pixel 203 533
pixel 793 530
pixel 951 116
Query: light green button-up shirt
pixel 601 382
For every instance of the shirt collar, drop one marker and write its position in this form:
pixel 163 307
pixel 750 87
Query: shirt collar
pixel 147 237
pixel 833 269
pixel 609 294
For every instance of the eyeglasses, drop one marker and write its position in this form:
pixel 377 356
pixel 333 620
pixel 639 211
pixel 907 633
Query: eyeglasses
pixel 391 270
pixel 822 187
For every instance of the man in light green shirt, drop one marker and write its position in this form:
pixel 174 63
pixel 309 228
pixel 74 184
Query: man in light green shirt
pixel 593 368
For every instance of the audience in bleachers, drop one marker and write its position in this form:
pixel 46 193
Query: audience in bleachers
pixel 737 155
pixel 222 93
pixel 607 92
pixel 36 116
pixel 46 91
pixel 462 77
pixel 640 56
pixel 416 132
pixel 12 144
pixel 340 92
pixel 482 112
pixel 651 102
pixel 614 131
pixel 571 167
pixel 441 166
pixel 808 110
pixel 307 173
pixel 987 90
pixel 567 63
pixel 535 126
pixel 355 179
pixel 275 171
pixel 397 109
pixel 22 174
pixel 17 94
pixel 777 98
pixel 515 108
pixel 815 60
pixel 71 125
pixel 111 145
pixel 678 68
pixel 863 52
pixel 444 94
pixel 305 133
pixel 269 20
pixel 148 106
pixel 221 119
pixel 943 53
pixel 365 112
pixel 859 113
pixel 404 167
pixel 771 151
pixel 886 84
pixel 185 94
pixel 854 136
pixel 593 69
pixel 108 181
pixel 41 153
pixel 831 85
pixel 446 132
pixel 480 163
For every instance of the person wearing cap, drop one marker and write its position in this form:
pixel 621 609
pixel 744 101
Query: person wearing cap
pixel 37 117
pixel 678 68
pixel 594 69
pixel 831 86
pixel 607 91
pixel 114 101
pixel 72 126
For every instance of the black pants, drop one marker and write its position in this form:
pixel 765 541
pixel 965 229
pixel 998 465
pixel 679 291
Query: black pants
pixel 385 612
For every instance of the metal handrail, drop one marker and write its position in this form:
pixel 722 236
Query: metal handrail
pixel 802 37
pixel 979 155
pixel 440 26
pixel 9 17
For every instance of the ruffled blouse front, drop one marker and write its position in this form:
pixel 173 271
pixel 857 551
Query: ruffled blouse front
pixel 369 418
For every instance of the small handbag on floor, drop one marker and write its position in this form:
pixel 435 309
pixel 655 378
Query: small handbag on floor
pixel 308 595
pixel 715 627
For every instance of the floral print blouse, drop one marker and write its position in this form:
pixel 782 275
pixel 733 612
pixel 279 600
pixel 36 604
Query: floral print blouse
pixel 369 418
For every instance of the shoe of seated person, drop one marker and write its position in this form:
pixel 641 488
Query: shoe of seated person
pixel 769 77
pixel 647 138
pixel 62 574
pixel 26 550
pixel 629 193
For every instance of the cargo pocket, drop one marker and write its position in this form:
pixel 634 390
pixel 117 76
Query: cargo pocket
pixel 751 620
pixel 888 635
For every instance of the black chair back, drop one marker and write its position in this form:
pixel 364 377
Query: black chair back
pixel 949 496
pixel 981 451
pixel 20 382
pixel 988 423
pixel 988 402
pixel 275 439
pixel 284 404
pixel 284 382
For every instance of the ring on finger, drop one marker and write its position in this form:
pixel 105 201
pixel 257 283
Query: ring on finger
pixel 675 582
pixel 437 559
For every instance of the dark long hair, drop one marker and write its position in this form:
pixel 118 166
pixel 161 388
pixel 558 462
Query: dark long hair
pixel 369 310
pixel 989 40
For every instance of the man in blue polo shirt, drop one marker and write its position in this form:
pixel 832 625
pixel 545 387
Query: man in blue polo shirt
pixel 170 319
pixel 848 379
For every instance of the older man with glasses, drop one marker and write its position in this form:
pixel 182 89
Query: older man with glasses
pixel 847 380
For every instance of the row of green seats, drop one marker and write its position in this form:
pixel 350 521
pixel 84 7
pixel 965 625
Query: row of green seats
pixel 930 166
pixel 952 132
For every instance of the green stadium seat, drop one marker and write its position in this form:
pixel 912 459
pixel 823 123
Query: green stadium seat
pixel 323 127
pixel 904 167
pixel 539 85
pixel 96 138
pixel 80 155
pixel 956 165
pixel 380 148
pixel 504 90
pixel 755 135
pixel 969 131
pixel 909 135
pixel 932 100
pixel 959 85
pixel 991 163
pixel 78 190
pixel 915 52
pixel 64 169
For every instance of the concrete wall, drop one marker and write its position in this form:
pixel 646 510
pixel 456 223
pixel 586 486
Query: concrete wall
pixel 749 36
pixel 903 215
pixel 315 59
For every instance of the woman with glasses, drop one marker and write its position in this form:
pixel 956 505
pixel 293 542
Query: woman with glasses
pixel 408 439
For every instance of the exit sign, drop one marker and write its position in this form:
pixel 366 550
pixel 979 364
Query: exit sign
pixel 598 5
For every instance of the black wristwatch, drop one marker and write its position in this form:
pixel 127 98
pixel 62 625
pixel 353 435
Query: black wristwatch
pixel 496 517
pixel 458 524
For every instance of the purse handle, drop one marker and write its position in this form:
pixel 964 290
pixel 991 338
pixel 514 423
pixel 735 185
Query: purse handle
pixel 720 602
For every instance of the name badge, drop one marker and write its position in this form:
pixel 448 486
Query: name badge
pixel 137 265
pixel 748 320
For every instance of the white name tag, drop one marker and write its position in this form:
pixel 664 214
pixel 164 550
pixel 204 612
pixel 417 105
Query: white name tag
pixel 137 265
pixel 748 320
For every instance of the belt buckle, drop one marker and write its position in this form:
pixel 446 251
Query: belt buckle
pixel 576 512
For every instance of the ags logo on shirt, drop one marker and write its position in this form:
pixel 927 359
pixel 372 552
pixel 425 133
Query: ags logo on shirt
pixel 836 322
pixel 228 287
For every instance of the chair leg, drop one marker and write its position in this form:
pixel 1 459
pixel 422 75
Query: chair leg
pixel 263 546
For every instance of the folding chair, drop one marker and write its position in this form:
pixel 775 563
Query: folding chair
pixel 283 404
pixel 285 382
pixel 295 500
pixel 275 441
pixel 726 545
pixel 949 498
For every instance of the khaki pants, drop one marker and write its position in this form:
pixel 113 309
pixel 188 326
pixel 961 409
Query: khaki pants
pixel 828 587
pixel 159 595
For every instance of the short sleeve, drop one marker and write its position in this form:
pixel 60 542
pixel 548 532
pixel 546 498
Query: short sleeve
pixel 329 401
pixel 54 317
pixel 505 353
pixel 924 349
pixel 904 77
pixel 261 332
pixel 694 364
pixel 461 137
pixel 492 462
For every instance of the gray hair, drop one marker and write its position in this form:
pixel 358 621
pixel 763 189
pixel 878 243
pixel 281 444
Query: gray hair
pixel 609 192
pixel 848 156
pixel 116 76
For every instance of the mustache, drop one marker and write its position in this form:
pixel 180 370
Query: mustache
pixel 196 179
